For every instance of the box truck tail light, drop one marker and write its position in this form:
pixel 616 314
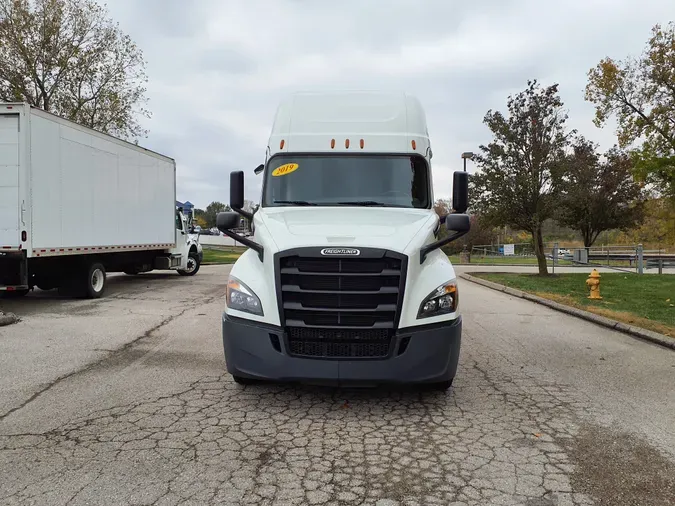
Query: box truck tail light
pixel 24 236
pixel 361 143
pixel 332 144
pixel 281 144
pixel 346 143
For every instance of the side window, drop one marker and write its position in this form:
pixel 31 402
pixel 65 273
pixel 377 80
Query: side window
pixel 179 224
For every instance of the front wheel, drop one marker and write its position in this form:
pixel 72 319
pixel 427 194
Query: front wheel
pixel 440 386
pixel 240 380
pixel 192 265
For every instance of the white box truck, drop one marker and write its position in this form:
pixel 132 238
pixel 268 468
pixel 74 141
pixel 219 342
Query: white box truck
pixel 76 204
pixel 344 280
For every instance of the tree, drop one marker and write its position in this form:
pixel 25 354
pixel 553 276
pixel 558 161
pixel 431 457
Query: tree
pixel 598 195
pixel 657 230
pixel 640 93
pixel 443 207
pixel 212 211
pixel 516 182
pixel 479 233
pixel 67 57
pixel 200 221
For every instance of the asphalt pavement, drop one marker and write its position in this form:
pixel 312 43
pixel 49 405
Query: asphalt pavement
pixel 125 400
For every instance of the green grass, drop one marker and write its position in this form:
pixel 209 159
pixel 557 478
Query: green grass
pixel 222 255
pixel 647 301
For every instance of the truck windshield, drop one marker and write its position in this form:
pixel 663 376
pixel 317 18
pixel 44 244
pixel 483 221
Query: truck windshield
pixel 330 180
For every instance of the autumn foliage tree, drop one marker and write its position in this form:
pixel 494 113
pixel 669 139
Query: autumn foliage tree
pixel 212 211
pixel 67 57
pixel 516 185
pixel 640 94
pixel 480 233
pixel 598 194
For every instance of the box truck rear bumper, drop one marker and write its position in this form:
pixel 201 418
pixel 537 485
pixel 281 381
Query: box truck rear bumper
pixel 431 356
pixel 14 288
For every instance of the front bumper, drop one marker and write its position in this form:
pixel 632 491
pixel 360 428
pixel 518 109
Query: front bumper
pixel 431 356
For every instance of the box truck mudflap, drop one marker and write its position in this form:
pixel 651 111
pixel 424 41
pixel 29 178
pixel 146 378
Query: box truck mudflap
pixel 344 280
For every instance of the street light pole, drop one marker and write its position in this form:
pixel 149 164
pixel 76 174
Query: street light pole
pixel 465 155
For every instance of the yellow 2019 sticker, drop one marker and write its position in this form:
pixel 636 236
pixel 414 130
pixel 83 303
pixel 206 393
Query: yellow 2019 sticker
pixel 285 169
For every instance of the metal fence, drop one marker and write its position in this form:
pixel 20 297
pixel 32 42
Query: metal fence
pixel 626 258
pixel 632 258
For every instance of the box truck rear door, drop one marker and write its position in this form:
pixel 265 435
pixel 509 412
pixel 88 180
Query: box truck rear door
pixel 9 181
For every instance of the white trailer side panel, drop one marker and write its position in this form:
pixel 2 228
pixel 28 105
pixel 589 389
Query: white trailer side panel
pixel 89 190
pixel 9 181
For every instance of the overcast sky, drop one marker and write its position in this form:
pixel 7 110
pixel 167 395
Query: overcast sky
pixel 218 68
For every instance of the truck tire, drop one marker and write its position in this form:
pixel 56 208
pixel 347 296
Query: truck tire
pixel 192 265
pixel 240 380
pixel 94 283
pixel 441 386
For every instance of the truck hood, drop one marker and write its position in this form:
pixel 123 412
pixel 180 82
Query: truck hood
pixel 388 228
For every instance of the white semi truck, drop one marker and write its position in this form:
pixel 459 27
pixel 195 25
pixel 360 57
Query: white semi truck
pixel 76 204
pixel 344 280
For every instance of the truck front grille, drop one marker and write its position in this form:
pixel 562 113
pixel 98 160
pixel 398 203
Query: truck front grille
pixel 330 343
pixel 340 307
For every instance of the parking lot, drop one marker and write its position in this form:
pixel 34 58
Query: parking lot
pixel 125 400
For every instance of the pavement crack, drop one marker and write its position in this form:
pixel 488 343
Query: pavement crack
pixel 110 355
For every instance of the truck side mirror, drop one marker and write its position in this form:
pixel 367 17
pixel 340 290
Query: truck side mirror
pixel 237 189
pixel 457 222
pixel 460 192
pixel 227 221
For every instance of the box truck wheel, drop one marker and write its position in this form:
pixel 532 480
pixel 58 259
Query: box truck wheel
pixel 95 281
pixel 192 265
pixel 441 386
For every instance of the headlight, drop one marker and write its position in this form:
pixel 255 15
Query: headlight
pixel 442 300
pixel 241 297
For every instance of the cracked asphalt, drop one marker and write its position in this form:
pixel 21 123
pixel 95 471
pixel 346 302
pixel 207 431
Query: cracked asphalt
pixel 125 400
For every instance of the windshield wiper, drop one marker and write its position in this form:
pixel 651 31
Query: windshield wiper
pixel 362 203
pixel 295 202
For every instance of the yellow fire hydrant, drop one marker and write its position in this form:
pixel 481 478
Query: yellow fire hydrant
pixel 593 282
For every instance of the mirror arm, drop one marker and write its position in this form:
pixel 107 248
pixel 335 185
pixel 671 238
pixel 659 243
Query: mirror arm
pixel 425 250
pixel 246 242
pixel 245 214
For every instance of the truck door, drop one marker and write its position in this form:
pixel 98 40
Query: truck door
pixel 9 181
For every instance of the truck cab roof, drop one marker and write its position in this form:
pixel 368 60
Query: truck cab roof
pixel 350 122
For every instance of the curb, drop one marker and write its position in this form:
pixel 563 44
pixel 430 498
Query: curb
pixel 7 319
pixel 640 333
